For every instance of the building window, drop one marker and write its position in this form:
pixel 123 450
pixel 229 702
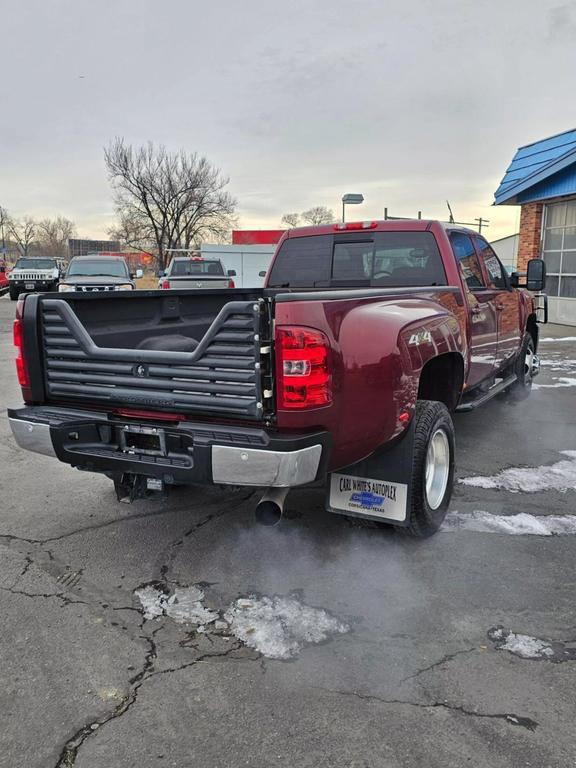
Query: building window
pixel 559 249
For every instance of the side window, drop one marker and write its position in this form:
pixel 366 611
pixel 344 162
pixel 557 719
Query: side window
pixel 493 267
pixel 466 256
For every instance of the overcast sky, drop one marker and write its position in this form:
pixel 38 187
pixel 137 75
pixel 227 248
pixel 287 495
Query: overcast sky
pixel 298 102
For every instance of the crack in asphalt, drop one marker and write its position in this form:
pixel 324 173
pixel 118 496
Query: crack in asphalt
pixel 69 753
pixel 127 518
pixel 59 595
pixel 509 717
pixel 165 559
pixel 446 658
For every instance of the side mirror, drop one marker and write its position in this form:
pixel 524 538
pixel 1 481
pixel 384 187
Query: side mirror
pixel 139 273
pixel 536 275
pixel 515 280
pixel 161 273
pixel 262 274
pixel 231 273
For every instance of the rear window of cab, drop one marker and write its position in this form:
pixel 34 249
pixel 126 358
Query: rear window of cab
pixel 379 259
pixel 183 267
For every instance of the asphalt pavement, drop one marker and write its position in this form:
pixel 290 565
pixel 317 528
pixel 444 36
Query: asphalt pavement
pixel 179 633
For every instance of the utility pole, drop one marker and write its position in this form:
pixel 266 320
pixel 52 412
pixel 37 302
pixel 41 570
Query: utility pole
pixel 482 222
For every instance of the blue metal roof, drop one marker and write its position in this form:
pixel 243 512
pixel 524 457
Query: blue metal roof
pixel 533 172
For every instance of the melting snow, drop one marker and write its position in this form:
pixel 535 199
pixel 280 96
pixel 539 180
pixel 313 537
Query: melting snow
pixel 559 361
pixel 560 477
pixel 278 627
pixel 564 338
pixel 525 646
pixel 184 606
pixel 562 381
pixel 515 525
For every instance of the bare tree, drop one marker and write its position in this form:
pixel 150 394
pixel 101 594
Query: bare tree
pixel 4 219
pixel 319 214
pixel 174 199
pixel 291 220
pixel 53 236
pixel 23 231
pixel 134 231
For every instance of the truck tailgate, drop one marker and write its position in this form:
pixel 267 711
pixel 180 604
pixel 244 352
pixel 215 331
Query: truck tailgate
pixel 196 283
pixel 204 353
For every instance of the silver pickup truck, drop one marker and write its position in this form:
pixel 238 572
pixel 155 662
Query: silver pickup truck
pixel 194 273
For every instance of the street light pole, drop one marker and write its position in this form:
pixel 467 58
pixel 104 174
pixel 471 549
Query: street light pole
pixel 351 198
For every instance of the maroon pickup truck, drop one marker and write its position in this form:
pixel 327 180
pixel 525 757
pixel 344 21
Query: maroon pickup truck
pixel 342 371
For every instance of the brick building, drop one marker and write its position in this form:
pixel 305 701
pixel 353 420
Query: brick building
pixel 541 179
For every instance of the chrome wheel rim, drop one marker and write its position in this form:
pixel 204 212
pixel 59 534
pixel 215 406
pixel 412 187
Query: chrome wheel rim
pixel 530 363
pixel 437 468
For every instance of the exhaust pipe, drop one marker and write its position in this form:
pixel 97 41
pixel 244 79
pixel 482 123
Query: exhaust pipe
pixel 271 505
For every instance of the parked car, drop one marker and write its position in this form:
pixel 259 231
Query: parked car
pixel 343 370
pixel 194 273
pixel 33 274
pixel 3 277
pixel 98 273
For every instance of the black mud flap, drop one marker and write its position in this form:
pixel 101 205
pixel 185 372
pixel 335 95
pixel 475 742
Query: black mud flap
pixel 376 488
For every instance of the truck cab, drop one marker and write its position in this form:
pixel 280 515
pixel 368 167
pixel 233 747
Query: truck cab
pixel 195 273
pixel 94 273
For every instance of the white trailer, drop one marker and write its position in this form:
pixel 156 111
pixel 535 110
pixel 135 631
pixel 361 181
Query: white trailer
pixel 248 261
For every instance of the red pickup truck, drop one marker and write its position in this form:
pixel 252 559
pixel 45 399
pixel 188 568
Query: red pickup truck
pixel 343 370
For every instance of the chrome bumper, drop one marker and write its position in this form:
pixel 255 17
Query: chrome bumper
pixel 32 436
pixel 230 465
pixel 248 466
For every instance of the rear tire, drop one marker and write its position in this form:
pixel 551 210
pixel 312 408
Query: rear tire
pixel 432 469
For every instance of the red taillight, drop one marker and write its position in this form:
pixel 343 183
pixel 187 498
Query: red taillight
pixel 21 367
pixel 231 284
pixel 357 225
pixel 302 368
pixel 166 285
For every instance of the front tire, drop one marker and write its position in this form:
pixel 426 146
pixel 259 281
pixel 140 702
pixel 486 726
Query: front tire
pixel 524 369
pixel 432 468
pixel 14 293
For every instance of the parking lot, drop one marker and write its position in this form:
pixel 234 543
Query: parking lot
pixel 178 633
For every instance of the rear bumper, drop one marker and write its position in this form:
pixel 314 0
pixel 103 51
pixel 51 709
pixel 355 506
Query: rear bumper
pixel 194 453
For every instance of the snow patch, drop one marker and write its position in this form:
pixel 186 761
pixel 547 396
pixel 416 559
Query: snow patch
pixel 276 627
pixel 514 525
pixel 279 627
pixel 558 362
pixel 560 477
pixel 563 338
pixel 562 381
pixel 525 646
pixel 184 605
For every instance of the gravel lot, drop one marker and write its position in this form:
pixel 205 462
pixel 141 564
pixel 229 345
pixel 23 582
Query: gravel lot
pixel 316 643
